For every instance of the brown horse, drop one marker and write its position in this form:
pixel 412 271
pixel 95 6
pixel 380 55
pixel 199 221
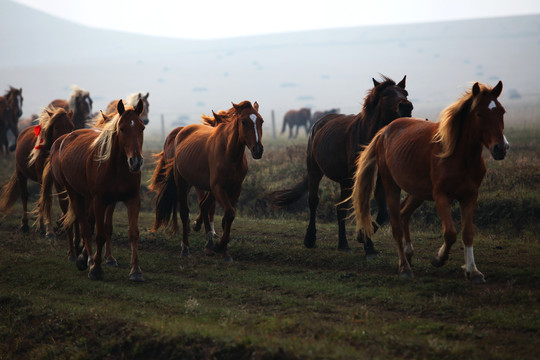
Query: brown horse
pixel 98 169
pixel 10 112
pixel 33 145
pixel 131 100
pixel 211 158
pixel 333 146
pixel 80 103
pixel 297 118
pixel 320 114
pixel 433 161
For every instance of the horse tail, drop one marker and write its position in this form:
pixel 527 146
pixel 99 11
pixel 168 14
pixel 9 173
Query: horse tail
pixel 159 173
pixel 364 186
pixel 44 203
pixel 166 196
pixel 69 218
pixel 286 197
pixel 10 193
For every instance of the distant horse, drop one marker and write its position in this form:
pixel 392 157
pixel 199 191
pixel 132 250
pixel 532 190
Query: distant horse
pixel 211 158
pixel 433 161
pixel 33 145
pixel 98 169
pixel 80 103
pixel 132 100
pixel 320 114
pixel 333 146
pixel 10 112
pixel 297 118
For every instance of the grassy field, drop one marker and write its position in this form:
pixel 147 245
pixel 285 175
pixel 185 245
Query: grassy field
pixel 278 300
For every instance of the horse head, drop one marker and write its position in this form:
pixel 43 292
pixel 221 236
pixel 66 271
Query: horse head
pixel 130 134
pixel 250 127
pixel 60 123
pixel 16 100
pixel 488 116
pixel 391 99
pixel 81 102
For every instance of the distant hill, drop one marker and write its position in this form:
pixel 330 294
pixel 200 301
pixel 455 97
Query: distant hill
pixel 321 69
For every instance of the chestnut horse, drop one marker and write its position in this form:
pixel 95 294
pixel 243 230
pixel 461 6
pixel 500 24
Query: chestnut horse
pixel 131 100
pixel 98 169
pixel 211 158
pixel 33 145
pixel 433 161
pixel 10 112
pixel 297 118
pixel 79 102
pixel 333 146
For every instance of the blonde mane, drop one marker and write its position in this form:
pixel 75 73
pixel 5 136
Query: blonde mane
pixel 77 91
pixel 211 121
pixel 133 99
pixel 451 120
pixel 104 140
pixel 44 121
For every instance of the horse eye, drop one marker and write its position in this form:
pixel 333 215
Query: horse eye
pixel 122 129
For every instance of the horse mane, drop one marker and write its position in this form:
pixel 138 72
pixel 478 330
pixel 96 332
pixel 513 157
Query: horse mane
pixel 76 92
pixel 44 120
pixel 451 121
pixel 104 140
pixel 11 89
pixel 372 96
pixel 211 121
pixel 133 99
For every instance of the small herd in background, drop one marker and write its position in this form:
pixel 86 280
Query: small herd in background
pixel 94 161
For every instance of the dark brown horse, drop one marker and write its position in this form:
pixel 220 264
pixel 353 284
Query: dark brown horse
pixel 320 114
pixel 98 169
pixel 80 103
pixel 10 112
pixel 131 100
pixel 433 161
pixel 333 146
pixel 33 145
pixel 212 159
pixel 296 118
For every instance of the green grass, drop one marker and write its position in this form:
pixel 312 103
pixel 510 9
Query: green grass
pixel 278 299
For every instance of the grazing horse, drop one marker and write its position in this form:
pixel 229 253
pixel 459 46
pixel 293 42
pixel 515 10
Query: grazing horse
pixel 10 112
pixel 320 114
pixel 297 118
pixel 132 100
pixel 33 145
pixel 433 161
pixel 80 103
pixel 333 146
pixel 99 168
pixel 212 159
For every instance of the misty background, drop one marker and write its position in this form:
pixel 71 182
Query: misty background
pixel 320 69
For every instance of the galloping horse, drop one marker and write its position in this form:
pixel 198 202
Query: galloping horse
pixel 10 112
pixel 80 103
pixel 98 169
pixel 433 161
pixel 132 100
pixel 297 118
pixel 333 146
pixel 211 158
pixel 33 145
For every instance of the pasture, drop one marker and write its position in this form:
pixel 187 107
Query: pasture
pixel 279 300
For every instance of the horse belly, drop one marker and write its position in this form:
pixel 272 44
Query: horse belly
pixel 192 165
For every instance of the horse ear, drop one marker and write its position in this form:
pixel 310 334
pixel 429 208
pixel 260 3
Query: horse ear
pixel 475 89
pixel 402 82
pixel 217 118
pixel 140 107
pixel 256 106
pixel 497 89
pixel 146 96
pixel 375 82
pixel 235 105
pixel 120 107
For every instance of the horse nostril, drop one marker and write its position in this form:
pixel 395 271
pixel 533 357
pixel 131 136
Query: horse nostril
pixel 405 109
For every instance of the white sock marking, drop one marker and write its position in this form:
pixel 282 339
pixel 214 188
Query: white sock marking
pixel 469 259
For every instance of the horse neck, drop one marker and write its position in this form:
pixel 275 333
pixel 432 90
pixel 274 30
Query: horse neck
pixel 78 120
pixel 235 148
pixel 468 144
pixel 366 126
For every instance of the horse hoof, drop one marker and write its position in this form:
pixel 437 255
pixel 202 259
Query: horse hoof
pixel 25 228
pixel 95 273
pixel 407 274
pixel 435 261
pixel 228 259
pixel 345 249
pixel 81 263
pixel 136 277
pixel 185 251
pixel 478 280
pixel 309 244
pixel 50 236
pixel 72 258
pixel 209 252
pixel 372 254
pixel 196 226
pixel 111 262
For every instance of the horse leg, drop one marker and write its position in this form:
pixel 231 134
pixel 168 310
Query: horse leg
pixel 314 178
pixel 208 207
pixel 296 131
pixel 227 201
pixel 63 201
pixel 23 184
pixel 341 212
pixel 443 205
pixel 408 206
pixel 96 272
pixel 290 131
pixel 471 272
pixel 133 206
pixel 109 258
pixel 80 208
pixel 197 224
pixel 183 191
pixel 382 217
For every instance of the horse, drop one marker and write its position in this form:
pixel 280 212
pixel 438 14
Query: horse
pixel 440 162
pixel 212 159
pixel 99 168
pixel 132 100
pixel 333 145
pixel 33 145
pixel 79 102
pixel 10 112
pixel 297 118
pixel 319 114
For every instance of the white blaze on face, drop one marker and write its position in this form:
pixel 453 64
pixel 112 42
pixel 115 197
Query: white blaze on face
pixel 89 105
pixel 132 123
pixel 492 105
pixel 253 118
pixel 19 101
pixel 506 144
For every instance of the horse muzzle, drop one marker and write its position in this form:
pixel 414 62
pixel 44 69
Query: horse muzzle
pixel 135 164
pixel 405 109
pixel 257 151
pixel 145 121
pixel 498 151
